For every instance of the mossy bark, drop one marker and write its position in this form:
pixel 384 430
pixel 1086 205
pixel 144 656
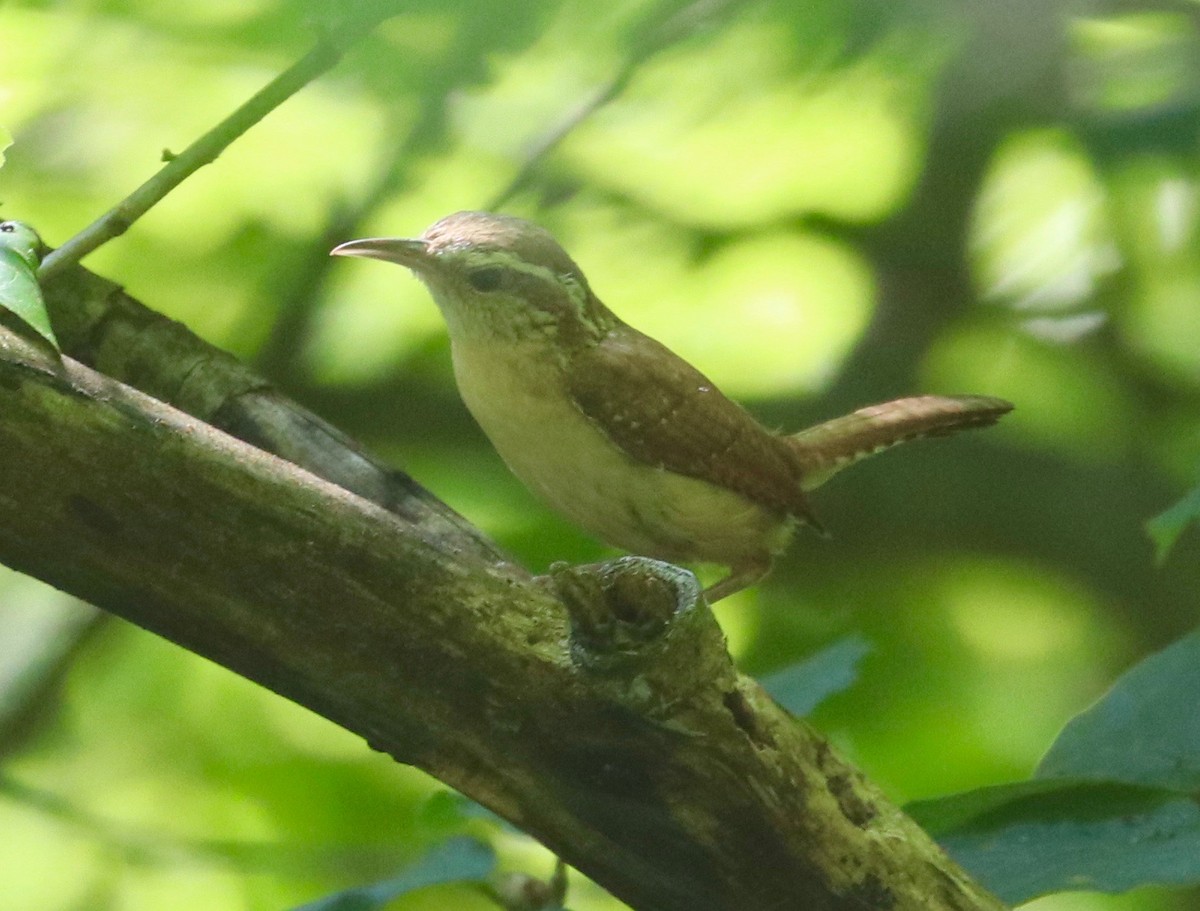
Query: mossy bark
pixel 598 708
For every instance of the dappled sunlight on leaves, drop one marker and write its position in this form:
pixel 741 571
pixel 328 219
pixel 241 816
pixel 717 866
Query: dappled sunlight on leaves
pixel 1134 60
pixel 1040 236
pixel 768 315
pixel 742 138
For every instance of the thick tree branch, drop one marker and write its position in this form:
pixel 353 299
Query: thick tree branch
pixel 106 329
pixel 606 719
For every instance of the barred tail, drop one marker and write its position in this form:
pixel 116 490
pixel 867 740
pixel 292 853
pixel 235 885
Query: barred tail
pixel 827 448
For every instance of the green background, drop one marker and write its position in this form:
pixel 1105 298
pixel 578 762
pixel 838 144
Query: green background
pixel 821 205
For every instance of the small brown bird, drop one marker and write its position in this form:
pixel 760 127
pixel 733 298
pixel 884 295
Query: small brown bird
pixel 614 430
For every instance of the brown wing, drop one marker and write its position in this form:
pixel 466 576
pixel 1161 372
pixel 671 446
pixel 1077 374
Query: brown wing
pixel 662 411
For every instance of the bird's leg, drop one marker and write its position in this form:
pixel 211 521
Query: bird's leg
pixel 743 575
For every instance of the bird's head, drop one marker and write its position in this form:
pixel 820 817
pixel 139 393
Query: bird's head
pixel 494 275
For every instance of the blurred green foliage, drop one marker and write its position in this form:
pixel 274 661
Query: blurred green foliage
pixel 820 204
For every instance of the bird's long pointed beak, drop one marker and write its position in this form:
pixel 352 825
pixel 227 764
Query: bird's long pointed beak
pixel 406 252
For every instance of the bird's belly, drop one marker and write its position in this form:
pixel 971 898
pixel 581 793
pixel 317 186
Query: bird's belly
pixel 577 470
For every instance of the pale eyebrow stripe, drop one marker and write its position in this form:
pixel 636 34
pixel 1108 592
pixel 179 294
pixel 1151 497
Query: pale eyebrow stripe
pixel 507 260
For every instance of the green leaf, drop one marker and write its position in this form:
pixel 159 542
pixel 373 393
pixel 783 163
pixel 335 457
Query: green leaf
pixel 1165 528
pixel 959 811
pixel 1145 730
pixel 21 239
pixel 801 687
pixel 20 293
pixel 458 860
pixel 1054 835
pixel 1113 803
pixel 5 141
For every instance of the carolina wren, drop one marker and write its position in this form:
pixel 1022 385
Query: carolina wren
pixel 614 430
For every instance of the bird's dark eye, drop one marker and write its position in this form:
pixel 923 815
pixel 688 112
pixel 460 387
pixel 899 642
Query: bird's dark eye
pixel 487 278
pixel 7 227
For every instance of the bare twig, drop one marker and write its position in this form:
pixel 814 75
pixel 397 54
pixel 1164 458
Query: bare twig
pixel 117 220
pixel 552 137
